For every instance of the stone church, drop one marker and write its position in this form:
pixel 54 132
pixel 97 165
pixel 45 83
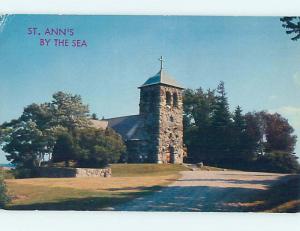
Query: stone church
pixel 155 135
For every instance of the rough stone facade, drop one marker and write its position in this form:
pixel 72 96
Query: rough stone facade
pixel 73 172
pixel 162 114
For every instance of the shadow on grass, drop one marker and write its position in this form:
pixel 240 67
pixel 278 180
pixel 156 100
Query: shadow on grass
pixel 90 203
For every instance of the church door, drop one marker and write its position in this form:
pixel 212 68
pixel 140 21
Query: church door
pixel 170 155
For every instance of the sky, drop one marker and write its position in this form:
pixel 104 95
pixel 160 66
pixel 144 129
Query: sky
pixel 253 56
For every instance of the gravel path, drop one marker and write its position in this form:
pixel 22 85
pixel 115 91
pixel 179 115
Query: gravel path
pixel 207 191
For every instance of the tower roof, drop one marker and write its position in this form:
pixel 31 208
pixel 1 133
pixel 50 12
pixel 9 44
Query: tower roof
pixel 162 77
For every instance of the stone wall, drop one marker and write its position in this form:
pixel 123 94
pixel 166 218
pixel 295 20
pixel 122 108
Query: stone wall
pixel 149 112
pixel 170 125
pixel 162 112
pixel 53 172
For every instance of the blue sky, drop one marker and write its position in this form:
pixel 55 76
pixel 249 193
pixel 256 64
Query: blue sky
pixel 253 56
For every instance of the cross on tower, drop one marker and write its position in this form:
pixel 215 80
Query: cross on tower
pixel 161 62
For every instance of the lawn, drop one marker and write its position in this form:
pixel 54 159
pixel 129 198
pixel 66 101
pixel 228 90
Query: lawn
pixel 121 170
pixel 128 182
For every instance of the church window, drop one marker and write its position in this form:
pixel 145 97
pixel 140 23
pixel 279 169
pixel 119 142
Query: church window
pixel 168 98
pixel 171 118
pixel 175 100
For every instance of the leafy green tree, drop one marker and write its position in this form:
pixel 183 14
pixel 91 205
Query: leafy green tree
pixel 198 108
pixel 98 147
pixel 64 149
pixel 89 147
pixel 32 136
pixel 275 142
pixel 25 144
pixel 69 111
pixel 279 134
pixel 254 141
pixel 292 26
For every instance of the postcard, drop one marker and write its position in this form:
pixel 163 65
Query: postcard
pixel 149 113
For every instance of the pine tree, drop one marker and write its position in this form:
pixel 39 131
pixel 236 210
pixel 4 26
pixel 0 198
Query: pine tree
pixel 221 127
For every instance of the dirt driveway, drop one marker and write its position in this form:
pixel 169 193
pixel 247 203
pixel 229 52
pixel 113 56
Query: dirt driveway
pixel 207 191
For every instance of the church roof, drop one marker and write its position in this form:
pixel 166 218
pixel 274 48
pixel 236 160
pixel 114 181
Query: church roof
pixel 162 77
pixel 126 126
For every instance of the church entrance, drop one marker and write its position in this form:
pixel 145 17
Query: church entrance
pixel 170 155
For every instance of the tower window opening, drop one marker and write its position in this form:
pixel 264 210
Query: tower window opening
pixel 171 118
pixel 168 98
pixel 175 100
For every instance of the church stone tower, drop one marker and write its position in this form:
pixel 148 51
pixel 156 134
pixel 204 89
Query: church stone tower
pixel 161 112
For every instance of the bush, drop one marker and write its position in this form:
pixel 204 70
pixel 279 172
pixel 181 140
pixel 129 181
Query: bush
pixel 89 147
pixel 282 162
pixel 21 172
pixel 3 196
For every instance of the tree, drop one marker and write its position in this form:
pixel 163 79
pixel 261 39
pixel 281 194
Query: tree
pixel 198 107
pixel 221 128
pixel 278 161
pixel 245 138
pixel 89 147
pixel 94 116
pixel 64 149
pixel 238 134
pixel 279 134
pixel 275 142
pixel 25 144
pixel 98 147
pixel 32 136
pixel 253 135
pixel 68 111
pixel 60 129
pixel 254 141
pixel 292 25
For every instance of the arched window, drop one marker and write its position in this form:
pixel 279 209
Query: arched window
pixel 175 100
pixel 168 98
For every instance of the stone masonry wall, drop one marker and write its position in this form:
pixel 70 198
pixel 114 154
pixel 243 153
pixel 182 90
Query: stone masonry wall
pixel 149 112
pixel 163 124
pixel 170 125
pixel 73 172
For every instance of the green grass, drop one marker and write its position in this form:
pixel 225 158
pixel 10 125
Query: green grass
pixel 130 170
pixel 60 198
pixel 128 182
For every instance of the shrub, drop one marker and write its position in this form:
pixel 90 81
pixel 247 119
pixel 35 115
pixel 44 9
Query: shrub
pixel 89 147
pixel 282 162
pixel 3 196
pixel 21 172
